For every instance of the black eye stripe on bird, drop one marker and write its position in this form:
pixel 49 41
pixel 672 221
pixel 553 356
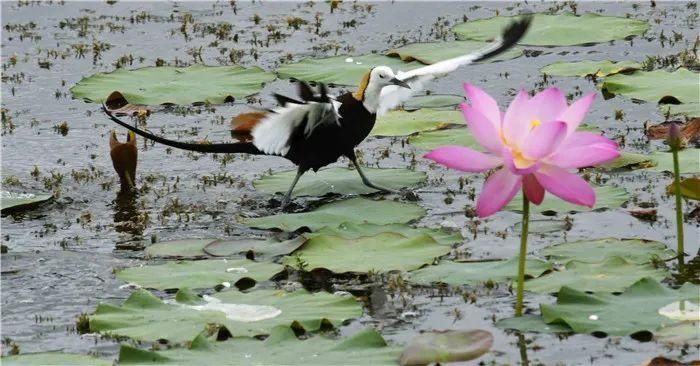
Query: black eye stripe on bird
pixel 318 129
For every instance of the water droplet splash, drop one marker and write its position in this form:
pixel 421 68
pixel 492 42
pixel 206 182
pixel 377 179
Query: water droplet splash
pixel 349 59
pixel 236 270
pixel 593 317
pixel 681 310
pixel 237 312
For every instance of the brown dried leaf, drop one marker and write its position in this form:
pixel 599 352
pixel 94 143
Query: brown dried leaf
pixel 117 104
pixel 690 131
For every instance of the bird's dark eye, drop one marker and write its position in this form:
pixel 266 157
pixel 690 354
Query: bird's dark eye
pixel 381 76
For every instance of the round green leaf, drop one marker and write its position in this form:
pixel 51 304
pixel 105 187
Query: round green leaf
pixel 690 188
pixel 349 230
pixel 432 52
pixel 341 70
pixel 614 274
pixel 435 139
pixel 198 274
pixel 16 202
pixel 53 358
pixel 435 101
pixel 144 317
pixel 471 273
pixel 532 323
pixel 381 252
pixel 446 346
pixel 606 197
pixel 681 86
pixel 686 109
pixel 557 30
pixel 679 334
pixel 639 251
pixel 338 180
pixel 356 210
pixel 207 248
pixel 281 348
pixel 688 161
pixel 176 85
pixel 628 160
pixel 588 67
pixel 633 311
pixel 403 123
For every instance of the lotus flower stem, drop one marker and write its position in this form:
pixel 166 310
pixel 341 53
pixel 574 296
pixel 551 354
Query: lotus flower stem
pixel 679 207
pixel 521 258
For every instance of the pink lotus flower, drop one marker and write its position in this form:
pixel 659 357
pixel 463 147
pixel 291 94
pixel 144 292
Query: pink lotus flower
pixel 534 143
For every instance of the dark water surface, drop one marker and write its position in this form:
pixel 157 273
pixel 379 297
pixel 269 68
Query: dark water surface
pixel 61 257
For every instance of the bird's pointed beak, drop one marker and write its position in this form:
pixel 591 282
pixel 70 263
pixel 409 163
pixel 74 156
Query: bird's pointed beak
pixel 400 83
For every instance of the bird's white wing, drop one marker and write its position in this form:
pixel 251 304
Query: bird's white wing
pixel 273 133
pixel 393 96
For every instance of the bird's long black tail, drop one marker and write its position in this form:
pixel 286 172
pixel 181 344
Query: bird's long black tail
pixel 235 147
pixel 511 35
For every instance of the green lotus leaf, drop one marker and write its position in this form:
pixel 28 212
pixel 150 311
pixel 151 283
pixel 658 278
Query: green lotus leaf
pixel 15 202
pixel 208 248
pixel 686 109
pixel 366 347
pixel 659 86
pixel 446 346
pixel 341 70
pixel 176 85
pixel 635 310
pixel 688 161
pixel 144 317
pixel 198 274
pixel 471 273
pixel 627 160
pixel 556 30
pixel 349 230
pixel 638 251
pixel 402 123
pixel 588 67
pixel 433 101
pixel 356 210
pixel 606 197
pixel 338 180
pixel 432 52
pixel 381 252
pixel 690 188
pixel 679 334
pixel 53 358
pixel 532 323
pixel 613 274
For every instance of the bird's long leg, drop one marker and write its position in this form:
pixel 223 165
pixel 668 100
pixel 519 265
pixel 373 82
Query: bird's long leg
pixel 366 180
pixel 287 197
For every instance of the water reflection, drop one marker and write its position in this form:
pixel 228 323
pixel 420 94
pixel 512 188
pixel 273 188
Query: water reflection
pixel 128 218
pixel 522 345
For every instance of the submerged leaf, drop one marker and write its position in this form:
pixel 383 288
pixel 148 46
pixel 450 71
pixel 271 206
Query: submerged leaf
pixel 589 67
pixel 208 248
pixel 446 346
pixel 557 30
pixel 338 180
pixel 348 230
pixel 639 251
pixel 53 358
pixel 470 273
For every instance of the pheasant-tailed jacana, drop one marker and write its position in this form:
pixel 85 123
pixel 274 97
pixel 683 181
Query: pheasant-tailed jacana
pixel 318 129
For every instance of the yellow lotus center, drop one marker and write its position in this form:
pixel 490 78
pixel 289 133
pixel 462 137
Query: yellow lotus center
pixel 534 123
pixel 520 161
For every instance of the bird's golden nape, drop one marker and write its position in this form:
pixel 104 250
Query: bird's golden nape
pixel 359 94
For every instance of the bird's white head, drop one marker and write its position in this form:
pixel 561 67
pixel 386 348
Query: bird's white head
pixel 371 86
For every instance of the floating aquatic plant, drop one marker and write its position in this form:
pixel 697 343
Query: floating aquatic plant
pixel 533 146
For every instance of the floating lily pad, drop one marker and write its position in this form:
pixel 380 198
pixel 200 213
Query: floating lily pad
pixel 556 30
pixel 639 251
pixel 606 197
pixel 434 101
pixel 341 70
pixel 453 136
pixel 198 274
pixel 532 323
pixel 356 210
pixel 207 248
pixel 633 311
pixel 659 86
pixel 350 230
pixel 53 358
pixel 686 109
pixel 470 273
pixel 338 180
pixel 628 160
pixel 175 85
pixel 381 252
pixel 282 347
pixel 690 188
pixel 144 317
pixel 15 202
pixel 589 67
pixel 446 346
pixel 688 161
pixel 402 123
pixel 679 334
pixel 432 52
pixel 613 274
